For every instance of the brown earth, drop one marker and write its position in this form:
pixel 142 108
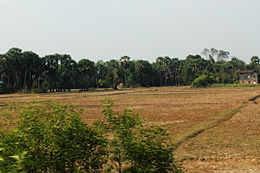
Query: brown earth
pixel 215 129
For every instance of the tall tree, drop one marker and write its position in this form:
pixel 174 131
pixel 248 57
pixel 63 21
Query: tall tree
pixel 31 65
pixel 51 62
pixel 144 71
pixel 86 69
pixel 66 67
pixel 14 57
pixel 114 74
pixel 159 65
pixel 255 64
pixel 175 62
pixel 125 64
pixel 222 55
pixel 167 69
pixel 210 54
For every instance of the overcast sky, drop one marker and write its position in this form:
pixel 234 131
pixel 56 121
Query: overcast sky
pixel 141 29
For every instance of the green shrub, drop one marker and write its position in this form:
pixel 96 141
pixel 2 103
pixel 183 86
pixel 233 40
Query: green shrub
pixel 55 139
pixel 201 81
pixel 52 138
pixel 134 145
pixel 14 163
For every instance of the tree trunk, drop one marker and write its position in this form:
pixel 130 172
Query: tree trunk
pixel 160 78
pixel 125 78
pixel 25 78
pixel 97 84
pixel 179 83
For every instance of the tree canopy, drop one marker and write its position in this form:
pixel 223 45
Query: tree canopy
pixel 27 71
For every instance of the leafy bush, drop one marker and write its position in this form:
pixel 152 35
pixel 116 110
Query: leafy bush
pixel 55 139
pixel 135 146
pixel 52 138
pixel 201 81
pixel 14 163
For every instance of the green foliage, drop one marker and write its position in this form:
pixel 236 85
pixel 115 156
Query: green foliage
pixel 55 139
pixel 144 73
pixel 3 88
pixel 101 82
pixel 201 81
pixel 26 71
pixel 14 163
pixel 52 138
pixel 134 145
pixel 188 75
pixel 242 85
pixel 218 85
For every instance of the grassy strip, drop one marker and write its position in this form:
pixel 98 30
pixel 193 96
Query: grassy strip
pixel 51 97
pixel 218 85
pixel 243 85
pixel 193 132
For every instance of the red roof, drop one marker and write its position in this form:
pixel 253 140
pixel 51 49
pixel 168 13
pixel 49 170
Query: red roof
pixel 246 71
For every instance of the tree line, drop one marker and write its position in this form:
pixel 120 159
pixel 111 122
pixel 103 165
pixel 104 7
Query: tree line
pixel 25 70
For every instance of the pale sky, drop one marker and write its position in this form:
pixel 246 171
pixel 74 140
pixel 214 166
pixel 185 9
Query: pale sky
pixel 141 29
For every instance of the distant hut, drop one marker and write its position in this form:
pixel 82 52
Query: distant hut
pixel 248 77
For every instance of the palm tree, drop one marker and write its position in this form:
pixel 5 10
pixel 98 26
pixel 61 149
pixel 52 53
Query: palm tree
pixel 65 70
pixel 113 69
pixel 30 63
pixel 99 69
pixel 144 71
pixel 86 69
pixel 5 70
pixel 14 57
pixel 167 69
pixel 125 63
pixel 51 62
pixel 159 65
pixel 174 67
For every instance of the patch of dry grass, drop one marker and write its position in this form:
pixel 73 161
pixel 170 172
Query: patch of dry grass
pixel 231 146
pixel 188 112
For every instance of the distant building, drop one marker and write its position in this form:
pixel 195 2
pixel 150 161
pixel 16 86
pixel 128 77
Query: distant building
pixel 248 77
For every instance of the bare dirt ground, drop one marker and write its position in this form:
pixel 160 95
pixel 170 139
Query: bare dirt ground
pixel 232 146
pixel 215 129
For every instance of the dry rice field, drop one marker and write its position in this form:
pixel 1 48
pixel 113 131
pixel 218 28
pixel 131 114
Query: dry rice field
pixel 214 129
